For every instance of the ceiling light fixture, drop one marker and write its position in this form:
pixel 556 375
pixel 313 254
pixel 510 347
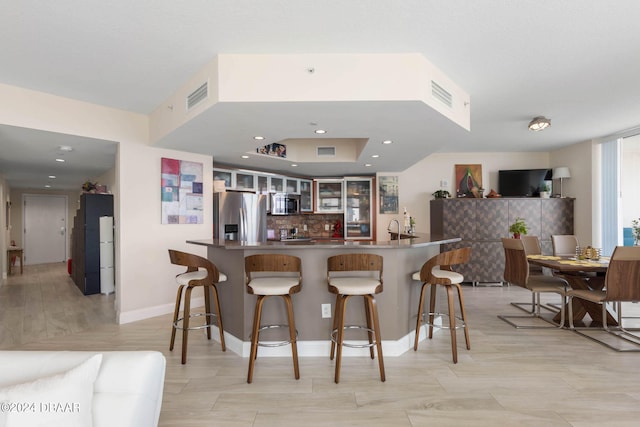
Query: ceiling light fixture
pixel 539 123
pixel 294 165
pixel 65 148
pixel 367 165
pixel 387 142
pixel 52 176
pixel 60 160
pixel 258 138
pixel 375 156
pixel 320 131
pixel 245 156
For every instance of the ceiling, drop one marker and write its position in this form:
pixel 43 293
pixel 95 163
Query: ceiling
pixel 574 62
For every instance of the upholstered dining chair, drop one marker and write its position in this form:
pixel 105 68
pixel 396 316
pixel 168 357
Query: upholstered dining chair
pixel 621 284
pixel 516 271
pixel 564 244
pixel 532 247
pixel 436 272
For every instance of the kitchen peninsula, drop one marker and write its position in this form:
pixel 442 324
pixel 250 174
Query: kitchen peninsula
pixel 397 304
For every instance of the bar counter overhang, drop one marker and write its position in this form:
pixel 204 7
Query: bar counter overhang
pixel 397 304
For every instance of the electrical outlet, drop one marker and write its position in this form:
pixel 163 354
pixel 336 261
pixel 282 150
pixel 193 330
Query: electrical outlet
pixel 304 227
pixel 326 311
pixel 326 227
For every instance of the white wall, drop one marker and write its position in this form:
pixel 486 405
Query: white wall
pixel 629 178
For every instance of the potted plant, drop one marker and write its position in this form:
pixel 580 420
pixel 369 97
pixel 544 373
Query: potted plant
pixel 518 228
pixel 441 194
pixel 635 229
pixel 545 191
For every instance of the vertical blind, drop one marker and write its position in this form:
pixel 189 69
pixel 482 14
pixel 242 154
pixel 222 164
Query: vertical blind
pixel 611 231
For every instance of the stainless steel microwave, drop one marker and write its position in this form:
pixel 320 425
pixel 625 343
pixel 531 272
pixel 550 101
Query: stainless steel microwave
pixel 285 204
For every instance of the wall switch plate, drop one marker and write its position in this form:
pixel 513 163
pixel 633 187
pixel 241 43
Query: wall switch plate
pixel 304 227
pixel 326 311
pixel 326 227
pixel 444 183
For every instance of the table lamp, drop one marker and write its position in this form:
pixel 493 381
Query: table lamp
pixel 561 172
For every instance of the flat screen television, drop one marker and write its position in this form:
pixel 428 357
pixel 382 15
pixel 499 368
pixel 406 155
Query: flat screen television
pixel 522 182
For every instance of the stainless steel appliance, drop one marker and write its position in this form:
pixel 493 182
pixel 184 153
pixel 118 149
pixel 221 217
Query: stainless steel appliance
pixel 285 204
pixel 240 216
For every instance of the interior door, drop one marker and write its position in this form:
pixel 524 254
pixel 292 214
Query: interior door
pixel 45 228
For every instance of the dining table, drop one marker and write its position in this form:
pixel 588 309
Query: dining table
pixel 586 274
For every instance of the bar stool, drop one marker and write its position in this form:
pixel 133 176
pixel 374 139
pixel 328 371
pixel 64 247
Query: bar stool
pixel 285 284
pixel 355 284
pixel 200 272
pixel 437 271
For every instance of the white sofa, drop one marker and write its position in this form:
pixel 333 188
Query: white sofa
pixel 127 391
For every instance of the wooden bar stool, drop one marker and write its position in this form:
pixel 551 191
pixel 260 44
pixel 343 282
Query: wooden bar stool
pixel 356 282
pixel 200 272
pixel 437 271
pixel 263 282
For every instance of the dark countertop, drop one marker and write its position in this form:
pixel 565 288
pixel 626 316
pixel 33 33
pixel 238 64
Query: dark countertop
pixel 420 240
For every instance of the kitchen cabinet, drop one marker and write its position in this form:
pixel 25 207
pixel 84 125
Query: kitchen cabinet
pixel 276 184
pixel 245 181
pixel 481 223
pixel 329 196
pixel 306 195
pixel 292 186
pixel 358 215
pixel 262 184
pixel 226 175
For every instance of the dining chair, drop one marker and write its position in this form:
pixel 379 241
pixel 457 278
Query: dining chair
pixel 200 273
pixel 516 271
pixel 532 247
pixel 436 272
pixel 564 244
pixel 622 284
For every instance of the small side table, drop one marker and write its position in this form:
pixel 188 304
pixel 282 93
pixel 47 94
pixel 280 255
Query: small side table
pixel 17 252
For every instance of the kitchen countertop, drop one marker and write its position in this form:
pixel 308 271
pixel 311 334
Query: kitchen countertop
pixel 419 240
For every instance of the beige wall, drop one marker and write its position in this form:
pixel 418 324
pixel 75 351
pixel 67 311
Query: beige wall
pixel 145 284
pixel 583 162
pixel 417 184
pixel 145 280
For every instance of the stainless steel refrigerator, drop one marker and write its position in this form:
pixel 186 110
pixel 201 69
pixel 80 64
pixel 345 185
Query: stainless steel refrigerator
pixel 240 216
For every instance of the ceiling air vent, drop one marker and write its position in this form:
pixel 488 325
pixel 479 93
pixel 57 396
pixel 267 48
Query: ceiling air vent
pixel 441 94
pixel 326 151
pixel 197 96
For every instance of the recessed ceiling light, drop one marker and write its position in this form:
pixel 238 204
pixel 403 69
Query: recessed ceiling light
pixel 258 138
pixel 52 176
pixel 60 160
pixel 294 165
pixel 367 164
pixel 375 156
pixel 320 131
pixel 245 156
pixel 387 142
pixel 47 186
pixel 65 148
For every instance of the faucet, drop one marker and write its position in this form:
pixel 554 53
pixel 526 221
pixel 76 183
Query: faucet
pixel 397 225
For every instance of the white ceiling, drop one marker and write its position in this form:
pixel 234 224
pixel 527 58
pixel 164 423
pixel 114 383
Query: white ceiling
pixel 573 61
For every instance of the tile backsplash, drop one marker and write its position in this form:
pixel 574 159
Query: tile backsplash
pixel 315 223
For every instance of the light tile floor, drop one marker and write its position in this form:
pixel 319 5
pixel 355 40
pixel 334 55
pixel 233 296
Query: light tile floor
pixel 510 377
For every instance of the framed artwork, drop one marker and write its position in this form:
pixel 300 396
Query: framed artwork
pixel 181 189
pixel 469 180
pixel 275 149
pixel 388 191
